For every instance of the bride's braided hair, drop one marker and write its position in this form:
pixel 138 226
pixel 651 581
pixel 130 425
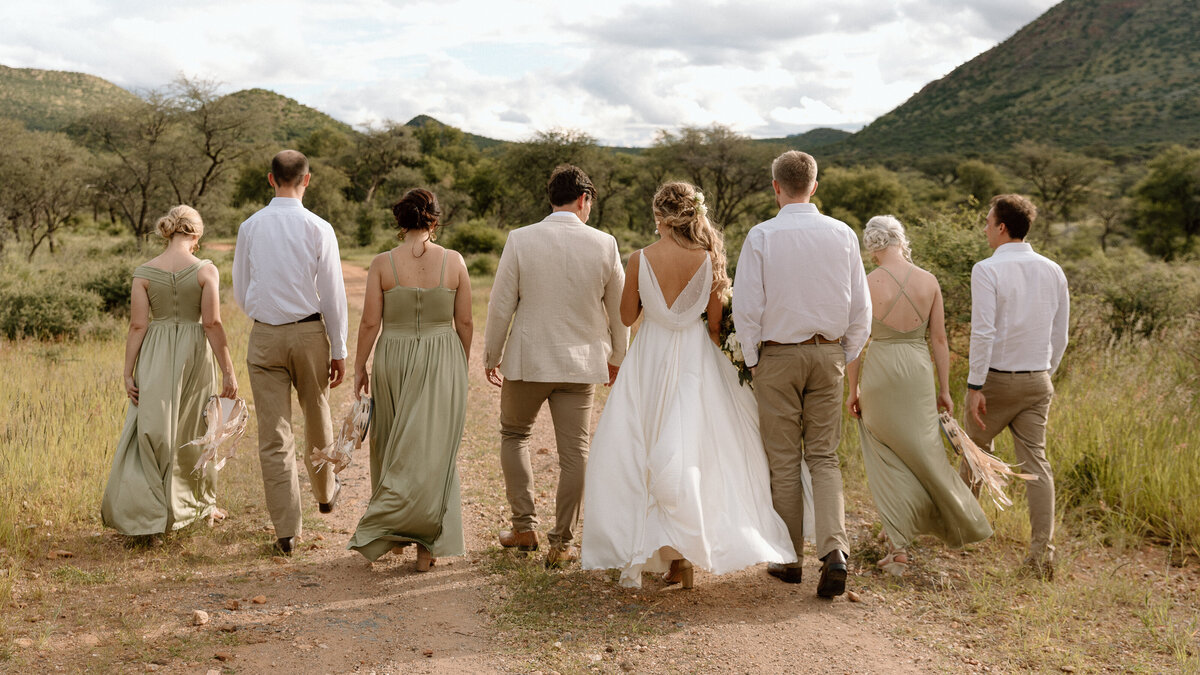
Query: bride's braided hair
pixel 679 208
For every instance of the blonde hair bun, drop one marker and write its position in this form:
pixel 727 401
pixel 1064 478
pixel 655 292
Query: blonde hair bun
pixel 882 232
pixel 183 220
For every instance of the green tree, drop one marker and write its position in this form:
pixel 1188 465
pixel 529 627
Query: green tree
pixel 858 193
pixel 44 179
pixel 1166 203
pixel 213 135
pixel 386 154
pixel 136 156
pixel 732 171
pixel 979 180
pixel 1061 180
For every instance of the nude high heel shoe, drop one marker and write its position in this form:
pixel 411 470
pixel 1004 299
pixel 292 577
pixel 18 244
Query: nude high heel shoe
pixel 424 559
pixel 681 572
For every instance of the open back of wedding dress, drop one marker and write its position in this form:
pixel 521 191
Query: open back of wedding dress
pixel 676 467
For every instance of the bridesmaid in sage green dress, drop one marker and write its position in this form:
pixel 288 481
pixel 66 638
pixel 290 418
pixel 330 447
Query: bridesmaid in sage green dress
pixel 915 488
pixel 174 330
pixel 421 295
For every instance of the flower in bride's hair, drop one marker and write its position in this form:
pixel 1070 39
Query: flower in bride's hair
pixel 698 201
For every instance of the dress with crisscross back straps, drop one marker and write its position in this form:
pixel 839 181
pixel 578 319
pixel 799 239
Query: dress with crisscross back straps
pixel 915 489
pixel 152 488
pixel 419 387
pixel 677 467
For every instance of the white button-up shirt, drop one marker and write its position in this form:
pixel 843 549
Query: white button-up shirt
pixel 800 274
pixel 1019 312
pixel 287 266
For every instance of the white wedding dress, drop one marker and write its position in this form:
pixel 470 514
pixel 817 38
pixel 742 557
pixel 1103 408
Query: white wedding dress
pixel 677 467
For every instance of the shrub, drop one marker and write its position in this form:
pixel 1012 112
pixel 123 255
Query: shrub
pixel 111 283
pixel 482 265
pixel 50 312
pixel 474 236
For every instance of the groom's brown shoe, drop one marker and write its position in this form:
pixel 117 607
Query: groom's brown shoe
pixel 522 541
pixel 788 575
pixel 833 575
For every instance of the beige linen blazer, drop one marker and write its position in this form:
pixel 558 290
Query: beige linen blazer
pixel 555 309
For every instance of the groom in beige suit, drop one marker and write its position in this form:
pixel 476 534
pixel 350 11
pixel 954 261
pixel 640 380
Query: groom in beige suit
pixel 554 331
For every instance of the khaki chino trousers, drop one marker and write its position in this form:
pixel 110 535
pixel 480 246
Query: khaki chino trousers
pixel 1021 402
pixel 280 358
pixel 571 410
pixel 799 392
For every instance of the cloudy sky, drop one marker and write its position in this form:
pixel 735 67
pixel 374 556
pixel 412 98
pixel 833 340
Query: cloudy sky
pixel 618 71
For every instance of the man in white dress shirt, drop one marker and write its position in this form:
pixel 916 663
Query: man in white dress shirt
pixel 802 312
pixel 287 276
pixel 1019 313
pixel 554 330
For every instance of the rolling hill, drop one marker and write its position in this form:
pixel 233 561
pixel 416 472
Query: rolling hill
pixel 1118 73
pixel 49 100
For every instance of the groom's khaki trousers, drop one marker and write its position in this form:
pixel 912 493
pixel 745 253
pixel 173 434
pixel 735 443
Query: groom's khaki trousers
pixel 280 357
pixel 799 392
pixel 1021 402
pixel 571 410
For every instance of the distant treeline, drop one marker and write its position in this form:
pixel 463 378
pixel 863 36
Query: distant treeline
pixel 125 165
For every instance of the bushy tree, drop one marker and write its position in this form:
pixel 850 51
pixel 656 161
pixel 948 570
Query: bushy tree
pixel 1166 204
pixel 1061 180
pixel 858 193
pixel 733 172
pixel 44 182
pixel 979 180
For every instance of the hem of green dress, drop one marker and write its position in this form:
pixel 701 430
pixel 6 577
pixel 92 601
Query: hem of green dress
pixel 377 547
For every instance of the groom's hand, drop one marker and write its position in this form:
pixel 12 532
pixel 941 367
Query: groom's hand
pixel 493 376
pixel 337 371
pixel 612 374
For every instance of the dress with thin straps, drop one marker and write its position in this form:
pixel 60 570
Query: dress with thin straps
pixel 152 488
pixel 915 488
pixel 419 387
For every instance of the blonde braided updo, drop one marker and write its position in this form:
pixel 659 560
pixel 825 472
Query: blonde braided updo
pixel 183 220
pixel 680 211
pixel 881 232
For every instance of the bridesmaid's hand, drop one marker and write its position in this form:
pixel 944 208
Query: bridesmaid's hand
pixel 362 384
pixel 229 386
pixel 131 389
pixel 944 402
pixel 853 406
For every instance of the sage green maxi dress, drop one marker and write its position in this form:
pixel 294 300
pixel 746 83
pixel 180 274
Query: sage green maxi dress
pixel 419 386
pixel 916 490
pixel 152 488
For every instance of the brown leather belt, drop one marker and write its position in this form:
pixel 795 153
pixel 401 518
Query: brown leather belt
pixel 817 339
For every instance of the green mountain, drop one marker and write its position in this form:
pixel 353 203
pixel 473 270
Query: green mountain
pixel 51 99
pixel 289 119
pixel 1117 73
pixel 481 142
pixel 809 140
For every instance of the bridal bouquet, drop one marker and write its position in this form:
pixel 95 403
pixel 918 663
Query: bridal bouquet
pixel 730 345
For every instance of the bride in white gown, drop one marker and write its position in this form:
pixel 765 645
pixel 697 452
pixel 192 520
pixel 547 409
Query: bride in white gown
pixel 677 475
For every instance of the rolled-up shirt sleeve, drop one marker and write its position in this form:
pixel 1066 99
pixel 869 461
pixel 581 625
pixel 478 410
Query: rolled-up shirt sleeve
pixel 983 323
pixel 332 290
pixel 749 297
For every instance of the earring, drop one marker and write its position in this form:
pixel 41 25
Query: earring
pixel 401 236
pixel 433 234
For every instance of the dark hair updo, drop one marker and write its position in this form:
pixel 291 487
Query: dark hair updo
pixel 417 210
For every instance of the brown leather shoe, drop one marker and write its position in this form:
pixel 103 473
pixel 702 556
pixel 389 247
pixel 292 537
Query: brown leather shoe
pixel 522 541
pixel 786 574
pixel 560 555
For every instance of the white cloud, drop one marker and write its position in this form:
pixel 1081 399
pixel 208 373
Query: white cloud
pixel 618 72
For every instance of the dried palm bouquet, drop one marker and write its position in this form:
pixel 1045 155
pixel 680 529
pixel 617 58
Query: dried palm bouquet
pixel 986 470
pixel 226 418
pixel 350 437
